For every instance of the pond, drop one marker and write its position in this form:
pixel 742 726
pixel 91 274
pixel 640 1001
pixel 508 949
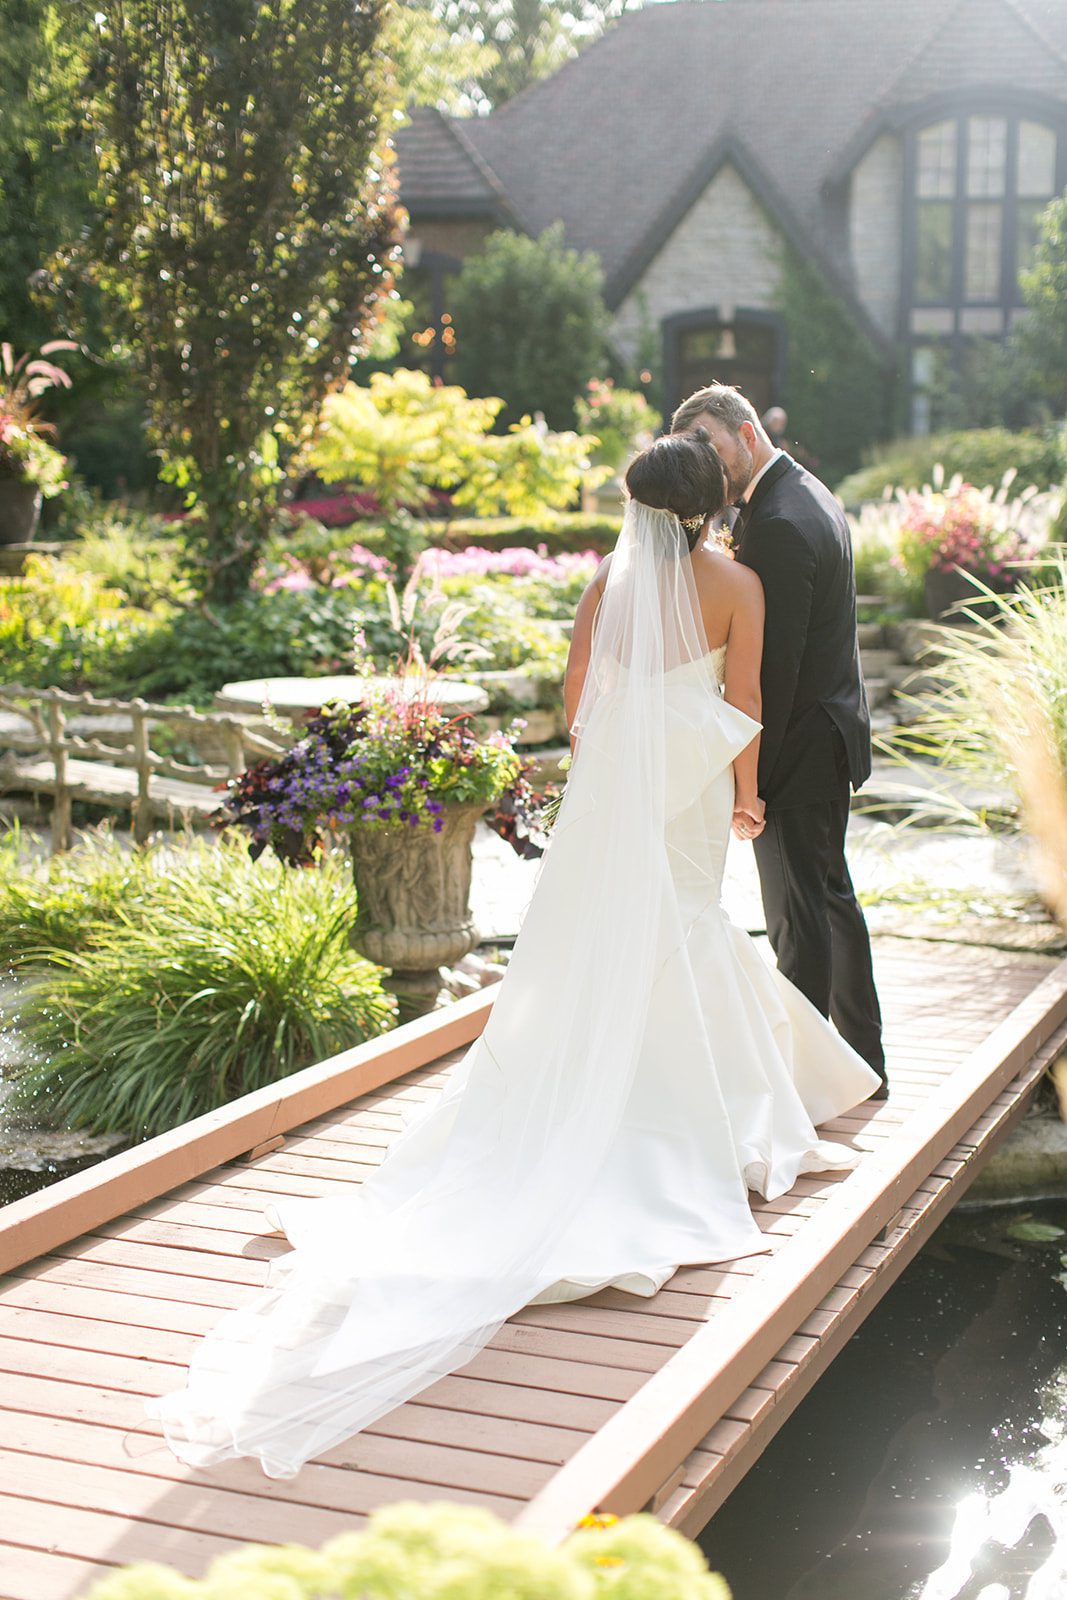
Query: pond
pixel 930 1461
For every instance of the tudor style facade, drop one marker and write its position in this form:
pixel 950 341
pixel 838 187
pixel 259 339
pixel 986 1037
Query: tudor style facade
pixel 906 150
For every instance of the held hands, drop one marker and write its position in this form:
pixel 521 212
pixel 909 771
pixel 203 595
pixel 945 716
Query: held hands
pixel 748 819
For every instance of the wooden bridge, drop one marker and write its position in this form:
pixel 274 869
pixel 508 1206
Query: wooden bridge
pixel 614 1403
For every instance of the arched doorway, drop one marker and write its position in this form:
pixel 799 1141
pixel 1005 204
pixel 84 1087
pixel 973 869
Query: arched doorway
pixel 745 350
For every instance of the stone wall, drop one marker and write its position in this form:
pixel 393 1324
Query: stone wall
pixel 876 229
pixel 724 253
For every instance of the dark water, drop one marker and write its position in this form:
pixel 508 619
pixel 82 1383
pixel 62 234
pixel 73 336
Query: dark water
pixel 930 1461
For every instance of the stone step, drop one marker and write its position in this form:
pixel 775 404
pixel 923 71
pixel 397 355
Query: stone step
pixel 912 680
pixel 878 663
pixel 926 794
pixel 915 638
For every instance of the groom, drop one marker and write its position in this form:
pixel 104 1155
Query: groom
pixel 816 742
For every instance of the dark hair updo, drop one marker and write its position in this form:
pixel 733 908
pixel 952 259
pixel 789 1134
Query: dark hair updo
pixel 682 473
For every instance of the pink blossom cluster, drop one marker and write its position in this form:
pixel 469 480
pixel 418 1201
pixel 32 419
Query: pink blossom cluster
pixel 519 562
pixel 355 563
pixel 963 528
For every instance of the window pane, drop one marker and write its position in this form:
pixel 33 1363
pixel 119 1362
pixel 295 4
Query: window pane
pixel 981 276
pixel 1037 161
pixel 1029 219
pixel 936 177
pixel 987 143
pixel 933 255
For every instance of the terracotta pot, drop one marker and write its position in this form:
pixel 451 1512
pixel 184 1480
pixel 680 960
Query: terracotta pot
pixel 413 892
pixel 20 508
pixel 944 590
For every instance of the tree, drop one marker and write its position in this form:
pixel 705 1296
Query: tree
pixel 243 235
pixel 520 41
pixel 44 175
pixel 530 322
pixel 1043 336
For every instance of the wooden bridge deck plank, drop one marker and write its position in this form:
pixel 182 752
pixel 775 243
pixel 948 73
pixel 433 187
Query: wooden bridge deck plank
pixel 89 1329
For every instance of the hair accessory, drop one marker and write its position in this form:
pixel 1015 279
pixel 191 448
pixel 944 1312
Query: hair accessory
pixel 693 524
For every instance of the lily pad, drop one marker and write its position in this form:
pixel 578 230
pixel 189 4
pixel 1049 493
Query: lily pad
pixel 1034 1232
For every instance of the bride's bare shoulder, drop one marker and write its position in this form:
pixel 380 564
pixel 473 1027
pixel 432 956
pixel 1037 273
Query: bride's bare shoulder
pixel 728 575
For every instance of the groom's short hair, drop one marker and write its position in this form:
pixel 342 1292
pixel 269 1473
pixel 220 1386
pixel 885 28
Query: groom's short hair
pixel 718 400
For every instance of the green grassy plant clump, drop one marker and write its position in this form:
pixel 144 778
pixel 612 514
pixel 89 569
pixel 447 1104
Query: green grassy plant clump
pixel 443 1552
pixel 1000 707
pixel 157 986
pixel 981 456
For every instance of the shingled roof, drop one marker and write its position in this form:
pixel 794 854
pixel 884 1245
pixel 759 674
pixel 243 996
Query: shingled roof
pixel 619 140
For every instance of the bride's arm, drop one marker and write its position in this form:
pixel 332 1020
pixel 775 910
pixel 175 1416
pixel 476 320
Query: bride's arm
pixel 744 655
pixel 582 645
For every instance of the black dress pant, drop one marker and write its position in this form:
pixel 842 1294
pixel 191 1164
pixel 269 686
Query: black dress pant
pixel 814 922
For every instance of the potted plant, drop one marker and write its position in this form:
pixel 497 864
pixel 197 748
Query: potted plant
pixel 31 469
pixel 405 784
pixel 958 534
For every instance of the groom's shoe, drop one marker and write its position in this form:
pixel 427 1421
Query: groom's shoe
pixel 881 1093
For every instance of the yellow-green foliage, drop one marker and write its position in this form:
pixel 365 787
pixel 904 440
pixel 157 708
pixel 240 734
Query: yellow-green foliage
pixel 404 437
pixel 442 1552
pixel 58 623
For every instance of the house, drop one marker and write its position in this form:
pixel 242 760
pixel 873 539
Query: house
pixel 904 147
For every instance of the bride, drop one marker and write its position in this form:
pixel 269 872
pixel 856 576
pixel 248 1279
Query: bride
pixel 642 1067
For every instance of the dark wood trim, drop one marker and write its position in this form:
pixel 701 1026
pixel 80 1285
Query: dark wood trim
pixel 992 98
pixel 681 322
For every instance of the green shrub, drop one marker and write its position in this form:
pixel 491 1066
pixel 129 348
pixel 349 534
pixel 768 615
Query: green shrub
pixel 190 655
pixel 880 567
pixel 442 1552
pixel 983 456
pixel 61 627
pixel 160 985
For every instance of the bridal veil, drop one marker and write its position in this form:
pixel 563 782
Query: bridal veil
pixel 409 1277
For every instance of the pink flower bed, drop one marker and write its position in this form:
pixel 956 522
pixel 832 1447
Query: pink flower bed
pixel 964 528
pixel 357 562
pixel 518 562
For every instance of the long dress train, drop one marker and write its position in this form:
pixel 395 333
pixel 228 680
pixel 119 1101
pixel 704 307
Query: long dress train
pixel 642 1068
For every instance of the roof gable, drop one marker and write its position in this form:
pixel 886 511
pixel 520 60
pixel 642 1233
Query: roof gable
pixel 615 141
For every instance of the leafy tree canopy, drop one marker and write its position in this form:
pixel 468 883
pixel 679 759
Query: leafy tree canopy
pixel 242 235
pixel 492 49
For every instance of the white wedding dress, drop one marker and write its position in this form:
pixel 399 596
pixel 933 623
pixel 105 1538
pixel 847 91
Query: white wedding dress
pixel 641 1070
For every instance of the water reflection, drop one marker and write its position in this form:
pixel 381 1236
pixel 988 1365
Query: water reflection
pixel 930 1462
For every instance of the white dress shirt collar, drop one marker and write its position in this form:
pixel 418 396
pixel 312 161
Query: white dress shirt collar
pixel 766 467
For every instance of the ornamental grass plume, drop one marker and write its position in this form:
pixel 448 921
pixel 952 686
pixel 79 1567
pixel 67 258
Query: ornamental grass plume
pixel 986 532
pixel 1000 712
pixel 441 1552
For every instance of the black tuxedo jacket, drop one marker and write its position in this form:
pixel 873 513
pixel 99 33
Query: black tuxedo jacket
pixel 795 537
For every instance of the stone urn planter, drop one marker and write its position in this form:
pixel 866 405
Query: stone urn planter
pixel 413 891
pixel 945 589
pixel 20 509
